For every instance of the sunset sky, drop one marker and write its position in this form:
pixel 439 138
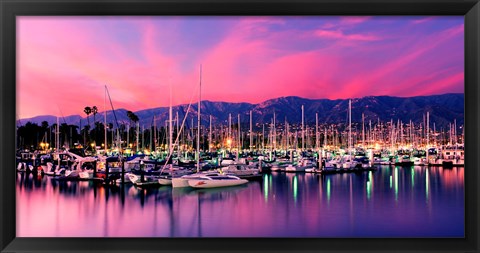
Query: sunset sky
pixel 65 62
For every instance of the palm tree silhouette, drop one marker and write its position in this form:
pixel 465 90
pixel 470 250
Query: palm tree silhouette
pixel 94 112
pixel 87 111
pixel 132 117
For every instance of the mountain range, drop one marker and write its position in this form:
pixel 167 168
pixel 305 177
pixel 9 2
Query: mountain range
pixel 443 109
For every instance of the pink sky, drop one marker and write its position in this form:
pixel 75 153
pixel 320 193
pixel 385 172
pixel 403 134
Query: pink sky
pixel 64 62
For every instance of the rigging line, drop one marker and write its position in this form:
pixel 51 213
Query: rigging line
pixel 111 104
pixel 182 127
pixel 61 113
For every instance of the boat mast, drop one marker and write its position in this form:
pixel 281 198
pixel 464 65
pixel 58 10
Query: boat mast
pixel 428 124
pixel 317 141
pixel 350 126
pixel 210 136
pixel 154 132
pixel 239 139
pixel 178 126
pixel 105 117
pixel 138 132
pixel 263 136
pixel 198 121
pixel 325 138
pixel 58 142
pixel 229 127
pixel 286 135
pixel 363 130
pixel 303 131
pixel 274 130
pixel 251 132
pixel 170 122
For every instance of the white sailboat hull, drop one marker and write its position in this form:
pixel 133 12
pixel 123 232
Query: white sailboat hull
pixel 165 181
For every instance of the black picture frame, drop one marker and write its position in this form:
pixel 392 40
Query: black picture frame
pixel 12 8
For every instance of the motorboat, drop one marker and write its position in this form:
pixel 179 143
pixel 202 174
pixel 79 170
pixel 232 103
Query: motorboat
pixel 242 171
pixel 216 180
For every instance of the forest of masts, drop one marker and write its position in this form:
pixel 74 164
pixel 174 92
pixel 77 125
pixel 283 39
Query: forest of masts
pixel 241 134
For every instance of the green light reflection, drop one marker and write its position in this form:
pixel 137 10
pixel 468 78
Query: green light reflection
pixel 413 177
pixel 265 187
pixel 396 183
pixel 426 183
pixel 369 185
pixel 328 189
pixel 369 189
pixel 295 189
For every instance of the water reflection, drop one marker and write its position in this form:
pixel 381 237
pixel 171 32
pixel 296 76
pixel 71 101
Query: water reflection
pixel 390 202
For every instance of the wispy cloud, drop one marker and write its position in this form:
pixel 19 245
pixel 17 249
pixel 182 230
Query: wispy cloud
pixel 337 34
pixel 423 20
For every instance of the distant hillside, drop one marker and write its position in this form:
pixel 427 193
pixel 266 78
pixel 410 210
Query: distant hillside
pixel 443 109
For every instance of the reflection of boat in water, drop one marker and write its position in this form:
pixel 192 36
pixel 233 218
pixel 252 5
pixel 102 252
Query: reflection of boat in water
pixel 216 180
pixel 207 192
pixel 216 190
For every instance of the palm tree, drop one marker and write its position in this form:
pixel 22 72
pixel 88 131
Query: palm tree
pixel 44 130
pixel 129 115
pixel 94 112
pixel 135 118
pixel 132 117
pixel 87 111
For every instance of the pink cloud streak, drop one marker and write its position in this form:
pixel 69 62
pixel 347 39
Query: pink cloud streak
pixel 340 35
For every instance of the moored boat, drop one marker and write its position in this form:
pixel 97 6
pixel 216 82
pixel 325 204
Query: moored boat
pixel 216 180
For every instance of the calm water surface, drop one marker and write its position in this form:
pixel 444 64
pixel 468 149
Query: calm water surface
pixel 390 202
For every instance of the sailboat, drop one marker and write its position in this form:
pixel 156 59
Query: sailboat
pixel 182 181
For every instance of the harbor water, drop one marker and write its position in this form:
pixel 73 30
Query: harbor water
pixel 387 203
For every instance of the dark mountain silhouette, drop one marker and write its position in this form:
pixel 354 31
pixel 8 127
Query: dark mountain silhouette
pixel 443 109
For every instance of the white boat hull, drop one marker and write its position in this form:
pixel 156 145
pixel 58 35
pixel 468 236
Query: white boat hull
pixel 292 168
pixel 86 175
pixel 165 181
pixel 195 183
pixel 179 182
